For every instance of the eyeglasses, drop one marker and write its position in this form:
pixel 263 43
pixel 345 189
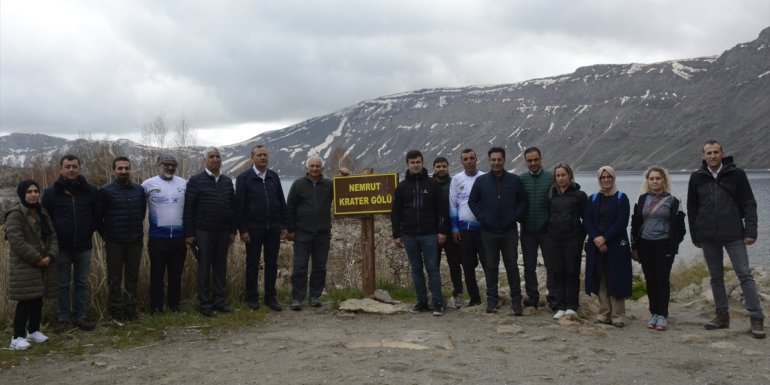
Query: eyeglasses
pixel 606 178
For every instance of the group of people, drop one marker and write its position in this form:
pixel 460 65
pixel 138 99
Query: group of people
pixel 473 218
pixel 50 238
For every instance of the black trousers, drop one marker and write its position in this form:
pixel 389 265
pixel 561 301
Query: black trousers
pixel 270 240
pixel 167 256
pixel 27 317
pixel 313 249
pixel 529 245
pixel 452 251
pixel 122 276
pixel 564 263
pixel 471 253
pixel 212 268
pixel 656 265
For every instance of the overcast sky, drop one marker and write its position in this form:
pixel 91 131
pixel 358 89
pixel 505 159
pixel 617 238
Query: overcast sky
pixel 236 68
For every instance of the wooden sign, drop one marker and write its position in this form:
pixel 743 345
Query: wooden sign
pixel 364 194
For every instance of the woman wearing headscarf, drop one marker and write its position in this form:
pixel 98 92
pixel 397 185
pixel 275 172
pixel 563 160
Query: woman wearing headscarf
pixel 566 232
pixel 608 252
pixel 657 227
pixel 33 247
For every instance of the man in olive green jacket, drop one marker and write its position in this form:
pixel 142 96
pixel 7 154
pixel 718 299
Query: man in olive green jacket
pixel 537 181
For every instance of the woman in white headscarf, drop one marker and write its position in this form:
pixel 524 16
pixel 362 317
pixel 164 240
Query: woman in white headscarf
pixel 608 251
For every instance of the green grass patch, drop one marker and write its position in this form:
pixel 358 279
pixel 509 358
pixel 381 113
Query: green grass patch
pixel 148 330
pixel 638 289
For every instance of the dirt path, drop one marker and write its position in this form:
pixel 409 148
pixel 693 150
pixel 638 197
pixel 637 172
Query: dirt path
pixel 466 346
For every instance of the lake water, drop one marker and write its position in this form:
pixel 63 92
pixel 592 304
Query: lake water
pixel 630 183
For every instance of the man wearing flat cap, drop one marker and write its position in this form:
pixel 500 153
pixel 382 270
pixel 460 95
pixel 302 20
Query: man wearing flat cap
pixel 166 243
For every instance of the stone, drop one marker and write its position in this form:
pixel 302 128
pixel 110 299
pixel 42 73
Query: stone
pixel 368 305
pixel 384 297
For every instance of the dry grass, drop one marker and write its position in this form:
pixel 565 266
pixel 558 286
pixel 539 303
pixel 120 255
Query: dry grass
pixel 685 273
pixel 343 271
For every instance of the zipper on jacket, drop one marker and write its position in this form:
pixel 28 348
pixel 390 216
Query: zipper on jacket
pixel 75 218
pixel 267 199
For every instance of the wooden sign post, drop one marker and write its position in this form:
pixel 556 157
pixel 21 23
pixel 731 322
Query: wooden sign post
pixel 364 196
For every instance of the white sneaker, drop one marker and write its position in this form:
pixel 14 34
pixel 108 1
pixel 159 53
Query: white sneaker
pixel 37 337
pixel 571 314
pixel 559 314
pixel 19 343
pixel 457 301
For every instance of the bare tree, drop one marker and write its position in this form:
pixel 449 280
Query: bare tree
pixel 184 141
pixel 340 158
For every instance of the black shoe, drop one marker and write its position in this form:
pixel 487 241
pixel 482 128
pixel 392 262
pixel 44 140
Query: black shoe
pixel 516 307
pixel 223 309
pixel 61 327
pixel 492 306
pixel 473 302
pixel 254 305
pixel 296 305
pixel 315 302
pixel 85 325
pixel 273 304
pixel 438 310
pixel 420 307
pixel 531 303
pixel 207 312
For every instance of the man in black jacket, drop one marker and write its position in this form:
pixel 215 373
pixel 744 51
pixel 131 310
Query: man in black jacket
pixel 722 214
pixel 261 218
pixel 72 204
pixel 418 220
pixel 209 223
pixel 122 206
pixel 450 248
pixel 309 226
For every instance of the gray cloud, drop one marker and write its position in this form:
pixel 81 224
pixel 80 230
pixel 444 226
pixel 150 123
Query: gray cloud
pixel 108 67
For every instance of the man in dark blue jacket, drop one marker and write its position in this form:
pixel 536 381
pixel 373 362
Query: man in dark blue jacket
pixel 72 204
pixel 209 224
pixel 419 224
pixel 498 201
pixel 261 218
pixel 722 213
pixel 122 206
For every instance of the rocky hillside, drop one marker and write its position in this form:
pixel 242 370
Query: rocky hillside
pixel 626 115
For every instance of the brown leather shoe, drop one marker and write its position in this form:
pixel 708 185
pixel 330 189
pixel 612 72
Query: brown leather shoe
pixel 720 321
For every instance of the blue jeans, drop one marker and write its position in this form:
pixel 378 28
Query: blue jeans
pixel 422 250
pixel 506 244
pixel 713 253
pixel 73 267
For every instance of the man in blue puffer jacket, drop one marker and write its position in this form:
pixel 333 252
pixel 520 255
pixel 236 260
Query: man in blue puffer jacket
pixel 122 206
pixel 498 201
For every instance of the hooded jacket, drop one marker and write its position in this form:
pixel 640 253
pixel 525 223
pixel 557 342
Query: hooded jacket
pixel 26 280
pixel 418 207
pixel 566 209
pixel 721 209
pixel 73 208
